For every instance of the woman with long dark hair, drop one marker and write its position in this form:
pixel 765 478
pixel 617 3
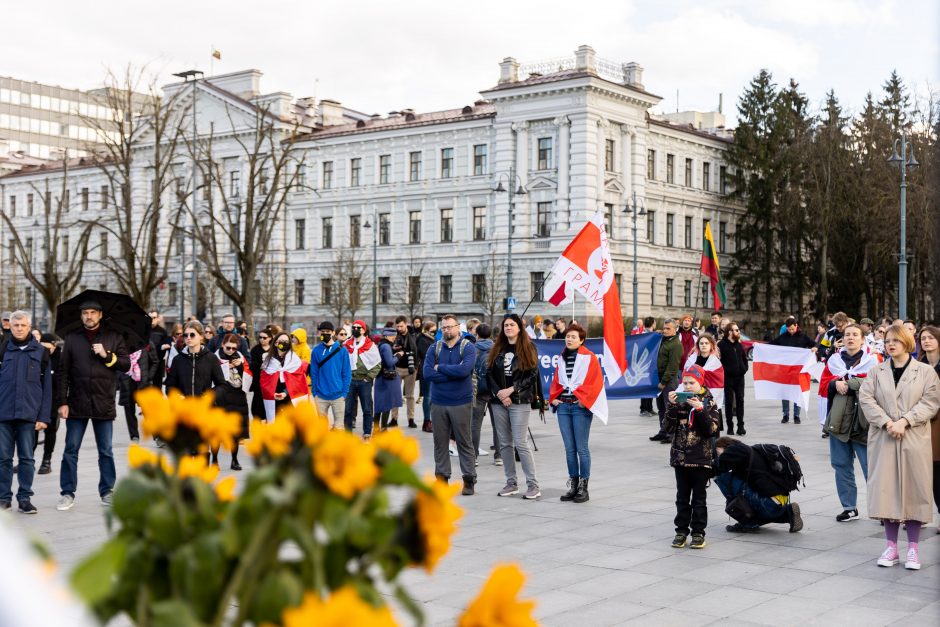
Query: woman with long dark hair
pixel 233 396
pixel 256 356
pixel 283 376
pixel 513 375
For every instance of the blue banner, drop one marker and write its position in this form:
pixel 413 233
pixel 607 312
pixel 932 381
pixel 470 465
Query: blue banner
pixel 641 380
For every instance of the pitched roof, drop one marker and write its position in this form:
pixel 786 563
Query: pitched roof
pixel 77 163
pixel 688 128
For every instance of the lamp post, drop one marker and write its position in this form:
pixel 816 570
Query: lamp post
pixel 512 179
pixel 375 250
pixel 635 212
pixel 903 159
pixel 191 76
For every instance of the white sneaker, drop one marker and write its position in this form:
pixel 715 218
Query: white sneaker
pixel 66 501
pixel 453 451
pixel 106 499
pixel 482 452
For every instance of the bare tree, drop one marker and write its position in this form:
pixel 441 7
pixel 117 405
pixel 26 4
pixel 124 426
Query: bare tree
pixel 59 273
pixel 272 292
pixel 413 290
pixel 347 272
pixel 491 287
pixel 143 134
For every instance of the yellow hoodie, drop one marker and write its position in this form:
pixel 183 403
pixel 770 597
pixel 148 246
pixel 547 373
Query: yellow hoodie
pixel 302 348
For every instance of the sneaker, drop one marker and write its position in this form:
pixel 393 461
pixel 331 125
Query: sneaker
pixel 508 490
pixel 452 451
pixel 482 452
pixel 847 515
pixel 913 560
pixel 160 443
pixel 785 420
pixel 366 437
pixel 412 424
pixel 45 467
pixel 66 501
pixel 739 528
pixel 796 421
pixel 5 505
pixel 698 541
pixel 679 541
pixel 659 436
pixel 467 488
pixel 28 508
pixel 890 557
pixel 796 521
pixel 499 462
pixel 135 439
pixel 532 493
pixel 825 435
pixel 106 499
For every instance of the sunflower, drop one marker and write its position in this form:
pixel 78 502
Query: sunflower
pixel 197 467
pixel 225 489
pixel 437 517
pixel 345 463
pixel 343 608
pixel 274 437
pixel 497 605
pixel 397 443
pixel 138 456
pixel 308 420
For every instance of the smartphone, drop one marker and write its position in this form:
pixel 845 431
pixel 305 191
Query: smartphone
pixel 683 397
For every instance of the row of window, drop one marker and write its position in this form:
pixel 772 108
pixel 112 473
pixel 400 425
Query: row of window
pixel 101 251
pixel 686 293
pixel 46 127
pixel 415 167
pixel 689 242
pixel 653 174
pixel 59 105
pixel 47 200
pixel 41 151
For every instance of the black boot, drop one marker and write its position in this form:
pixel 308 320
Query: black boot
pixel 582 494
pixel 572 489
pixel 730 426
pixel 741 430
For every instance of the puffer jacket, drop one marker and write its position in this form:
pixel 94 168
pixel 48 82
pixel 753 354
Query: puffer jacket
pixel 193 374
pixel 86 382
pixel 692 443
pixel 526 382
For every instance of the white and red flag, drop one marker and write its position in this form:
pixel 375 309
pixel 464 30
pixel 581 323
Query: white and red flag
pixel 586 383
pixel 585 267
pixel 783 373
pixel 836 370
pixel 714 375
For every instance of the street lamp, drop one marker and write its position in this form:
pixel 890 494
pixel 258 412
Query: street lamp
pixel 635 212
pixel 191 76
pixel 375 287
pixel 512 179
pixel 904 159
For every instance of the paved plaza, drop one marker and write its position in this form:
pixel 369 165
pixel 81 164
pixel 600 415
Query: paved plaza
pixel 608 561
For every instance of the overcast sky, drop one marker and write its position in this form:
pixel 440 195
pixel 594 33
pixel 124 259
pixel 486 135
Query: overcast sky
pixel 381 56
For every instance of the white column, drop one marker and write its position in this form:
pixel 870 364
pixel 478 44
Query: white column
pixel 628 134
pixel 564 166
pixel 522 150
pixel 602 126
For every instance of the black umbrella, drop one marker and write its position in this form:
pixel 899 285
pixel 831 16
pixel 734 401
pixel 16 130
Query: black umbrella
pixel 119 312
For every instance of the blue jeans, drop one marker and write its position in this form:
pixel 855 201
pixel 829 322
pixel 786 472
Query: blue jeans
pixel 74 434
pixel 841 456
pixel 361 391
pixel 766 509
pixel 786 409
pixel 574 422
pixel 19 434
pixel 425 388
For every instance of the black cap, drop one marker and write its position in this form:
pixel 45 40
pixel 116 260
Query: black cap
pixel 326 325
pixel 48 338
pixel 91 304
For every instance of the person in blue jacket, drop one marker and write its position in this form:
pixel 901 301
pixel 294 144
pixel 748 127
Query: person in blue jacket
pixel 330 375
pixel 25 407
pixel 387 393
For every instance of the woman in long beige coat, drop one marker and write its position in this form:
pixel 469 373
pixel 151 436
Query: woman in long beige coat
pixel 898 398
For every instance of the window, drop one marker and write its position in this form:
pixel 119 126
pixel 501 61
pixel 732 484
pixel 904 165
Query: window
pixel 414 227
pixel 327 233
pixel 384 289
pixel 172 292
pixel 103 247
pixel 447 163
pixel 670 168
pixel 447 229
pixel 48 201
pixel 479 159
pixel 65 248
pixel 669 283
pixel 536 283
pixel 543 225
pixel 706 294
pixel 66 200
pixel 414 289
pixel 300 177
pixel 618 281
pixel 545 153
pixel 385 229
pixel 723 179
pixel 385 167
pixel 355 231
pixel 234 184
pixel 414 166
pixel 29 249
pixel 651 165
pixel 652 290
pixel 688 173
pixel 355 169
pixel 300 235
pixel 84 193
pixel 670 228
pixel 29 204
pixel 609 219
pixel 478 288
pixel 326 291
pixel 706 176
pixel 688 231
pixel 298 291
pixel 327 175
pixel 479 223
pixel 722 237
pixel 651 227
pixel 687 294
pixel 447 284
pixel 104 196
pixel 263 181
pixel 609 155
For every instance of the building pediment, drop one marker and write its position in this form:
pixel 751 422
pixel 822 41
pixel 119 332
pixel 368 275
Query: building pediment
pixel 613 184
pixel 542 182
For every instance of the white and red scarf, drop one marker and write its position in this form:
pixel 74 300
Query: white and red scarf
pixel 367 351
pixel 836 370
pixel 586 383
pixel 293 372
pixel 714 375
pixel 227 370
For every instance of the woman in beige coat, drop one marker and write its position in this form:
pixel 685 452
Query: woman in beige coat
pixel 899 397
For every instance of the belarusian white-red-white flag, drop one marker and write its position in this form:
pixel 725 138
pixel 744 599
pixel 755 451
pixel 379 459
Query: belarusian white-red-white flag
pixel 782 373
pixel 586 383
pixel 585 267
pixel 714 375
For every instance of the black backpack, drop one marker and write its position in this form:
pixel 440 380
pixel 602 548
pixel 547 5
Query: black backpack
pixel 783 467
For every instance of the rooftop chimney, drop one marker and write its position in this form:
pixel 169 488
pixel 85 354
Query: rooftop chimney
pixel 584 59
pixel 331 113
pixel 633 74
pixel 508 71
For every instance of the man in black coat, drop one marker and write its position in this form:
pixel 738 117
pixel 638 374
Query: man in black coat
pixel 734 362
pixel 85 389
pixel 793 338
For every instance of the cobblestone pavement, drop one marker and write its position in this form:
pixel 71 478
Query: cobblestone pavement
pixel 608 561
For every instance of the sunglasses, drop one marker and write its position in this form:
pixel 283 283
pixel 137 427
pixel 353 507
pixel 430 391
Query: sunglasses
pixel 360 328
pixel 229 349
pixel 190 335
pixel 264 337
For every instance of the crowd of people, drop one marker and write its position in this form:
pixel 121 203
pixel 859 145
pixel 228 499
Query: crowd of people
pixel 879 397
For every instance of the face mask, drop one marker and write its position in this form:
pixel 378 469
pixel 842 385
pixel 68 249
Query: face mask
pixel 325 337
pixel 356 332
pixel 283 346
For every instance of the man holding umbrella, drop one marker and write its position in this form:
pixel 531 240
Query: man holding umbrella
pixel 85 390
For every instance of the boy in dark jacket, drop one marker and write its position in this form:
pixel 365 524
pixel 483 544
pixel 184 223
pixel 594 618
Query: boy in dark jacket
pixel 692 422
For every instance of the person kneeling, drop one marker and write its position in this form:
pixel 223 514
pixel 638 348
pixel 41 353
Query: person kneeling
pixel 692 420
pixel 755 493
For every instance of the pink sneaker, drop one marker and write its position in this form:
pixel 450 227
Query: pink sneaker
pixel 913 561
pixel 890 556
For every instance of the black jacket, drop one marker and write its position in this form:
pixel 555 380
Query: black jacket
pixel 692 445
pixel 422 344
pixel 735 460
pixel 194 374
pixel 525 382
pixel 797 340
pixel 733 358
pixel 409 345
pixel 216 342
pixel 149 367
pixel 86 382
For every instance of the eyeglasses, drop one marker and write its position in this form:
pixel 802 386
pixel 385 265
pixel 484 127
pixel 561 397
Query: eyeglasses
pixel 448 327
pixel 190 335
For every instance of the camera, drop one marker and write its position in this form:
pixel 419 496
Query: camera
pixel 411 363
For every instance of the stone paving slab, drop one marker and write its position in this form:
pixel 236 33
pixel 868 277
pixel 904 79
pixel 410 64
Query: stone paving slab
pixel 608 561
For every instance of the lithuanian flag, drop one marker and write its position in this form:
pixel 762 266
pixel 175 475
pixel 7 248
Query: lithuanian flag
pixel 710 267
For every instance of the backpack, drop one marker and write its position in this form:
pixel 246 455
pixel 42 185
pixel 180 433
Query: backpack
pixel 438 345
pixel 480 373
pixel 43 364
pixel 783 466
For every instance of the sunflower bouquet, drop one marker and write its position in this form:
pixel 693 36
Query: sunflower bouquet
pixel 322 526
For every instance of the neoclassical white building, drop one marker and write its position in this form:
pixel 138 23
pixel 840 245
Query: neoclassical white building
pixel 410 195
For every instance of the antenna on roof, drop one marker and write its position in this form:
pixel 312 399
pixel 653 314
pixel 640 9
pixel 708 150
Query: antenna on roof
pixel 677 101
pixel 316 85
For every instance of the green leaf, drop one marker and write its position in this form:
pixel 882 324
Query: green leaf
pixel 397 472
pixel 132 497
pixel 336 517
pixel 279 590
pixel 174 614
pixel 410 605
pixel 163 525
pixel 94 578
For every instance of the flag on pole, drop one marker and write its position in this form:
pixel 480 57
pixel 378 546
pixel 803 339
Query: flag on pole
pixel 709 267
pixel 783 373
pixel 585 267
pixel 216 54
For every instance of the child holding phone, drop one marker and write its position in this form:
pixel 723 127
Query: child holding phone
pixel 692 420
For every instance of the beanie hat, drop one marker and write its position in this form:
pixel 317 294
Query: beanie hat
pixel 326 325
pixel 360 323
pixel 696 373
